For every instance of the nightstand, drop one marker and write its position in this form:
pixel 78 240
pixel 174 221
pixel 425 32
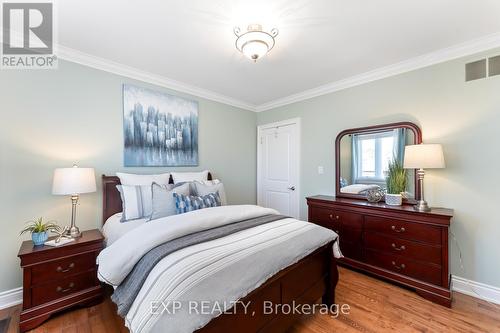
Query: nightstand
pixel 56 278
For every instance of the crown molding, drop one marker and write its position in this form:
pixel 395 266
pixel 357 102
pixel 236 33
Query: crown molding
pixel 106 65
pixel 457 51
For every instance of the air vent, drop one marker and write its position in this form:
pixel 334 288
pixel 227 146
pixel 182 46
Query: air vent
pixel 494 66
pixel 475 70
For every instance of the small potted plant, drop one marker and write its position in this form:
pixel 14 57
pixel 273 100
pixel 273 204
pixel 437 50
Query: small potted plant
pixel 39 230
pixel 396 183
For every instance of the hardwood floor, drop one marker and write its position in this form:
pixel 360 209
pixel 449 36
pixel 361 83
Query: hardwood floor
pixel 376 306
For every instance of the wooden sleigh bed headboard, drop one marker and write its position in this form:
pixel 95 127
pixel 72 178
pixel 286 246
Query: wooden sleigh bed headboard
pixel 111 201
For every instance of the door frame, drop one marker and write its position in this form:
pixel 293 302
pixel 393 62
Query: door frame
pixel 282 123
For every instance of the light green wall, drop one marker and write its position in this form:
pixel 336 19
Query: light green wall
pixel 52 118
pixel 464 117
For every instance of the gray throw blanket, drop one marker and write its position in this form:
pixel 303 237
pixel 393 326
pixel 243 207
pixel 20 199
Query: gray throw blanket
pixel 127 291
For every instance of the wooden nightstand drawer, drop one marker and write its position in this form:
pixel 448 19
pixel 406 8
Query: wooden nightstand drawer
pixel 59 269
pixel 60 288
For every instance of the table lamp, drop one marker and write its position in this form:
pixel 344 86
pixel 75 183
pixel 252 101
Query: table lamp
pixel 420 157
pixel 73 181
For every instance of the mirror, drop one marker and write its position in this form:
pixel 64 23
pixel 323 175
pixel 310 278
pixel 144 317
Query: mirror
pixel 363 156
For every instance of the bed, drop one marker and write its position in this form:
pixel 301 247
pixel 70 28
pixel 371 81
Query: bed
pixel 307 278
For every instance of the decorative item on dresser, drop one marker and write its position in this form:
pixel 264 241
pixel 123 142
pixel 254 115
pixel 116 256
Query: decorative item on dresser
pixel 392 242
pixel 56 278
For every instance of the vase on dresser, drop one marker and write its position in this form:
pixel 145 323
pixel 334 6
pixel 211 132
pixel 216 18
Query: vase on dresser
pixel 393 199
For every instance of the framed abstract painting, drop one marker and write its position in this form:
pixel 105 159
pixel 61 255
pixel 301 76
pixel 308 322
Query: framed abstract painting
pixel 159 129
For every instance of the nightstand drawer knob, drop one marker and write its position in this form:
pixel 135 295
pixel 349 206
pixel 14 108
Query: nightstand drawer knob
pixel 61 290
pixel 400 267
pixel 402 229
pixel 401 248
pixel 70 267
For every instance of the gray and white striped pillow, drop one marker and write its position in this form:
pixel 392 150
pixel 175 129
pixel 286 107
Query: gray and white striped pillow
pixel 137 201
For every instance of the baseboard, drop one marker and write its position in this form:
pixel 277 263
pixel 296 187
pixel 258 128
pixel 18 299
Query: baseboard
pixel 11 297
pixel 475 289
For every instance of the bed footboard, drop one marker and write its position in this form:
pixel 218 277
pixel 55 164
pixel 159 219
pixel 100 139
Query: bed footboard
pixel 271 305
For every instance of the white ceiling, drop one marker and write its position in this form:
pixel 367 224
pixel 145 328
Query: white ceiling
pixel 320 41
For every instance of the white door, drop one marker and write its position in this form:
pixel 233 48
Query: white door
pixel 278 167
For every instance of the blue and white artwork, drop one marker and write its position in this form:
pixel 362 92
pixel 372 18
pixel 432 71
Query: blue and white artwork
pixel 159 129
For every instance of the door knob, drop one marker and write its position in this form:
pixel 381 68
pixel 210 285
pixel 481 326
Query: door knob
pixel 292 188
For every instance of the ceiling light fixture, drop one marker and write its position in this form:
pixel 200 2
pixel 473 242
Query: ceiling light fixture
pixel 255 43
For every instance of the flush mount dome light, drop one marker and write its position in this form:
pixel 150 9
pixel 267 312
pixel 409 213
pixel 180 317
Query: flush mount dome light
pixel 255 43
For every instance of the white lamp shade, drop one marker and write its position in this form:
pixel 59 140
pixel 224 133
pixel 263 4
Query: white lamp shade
pixel 69 181
pixel 425 156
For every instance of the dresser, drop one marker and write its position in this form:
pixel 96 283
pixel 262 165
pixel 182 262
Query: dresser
pixel 395 243
pixel 56 278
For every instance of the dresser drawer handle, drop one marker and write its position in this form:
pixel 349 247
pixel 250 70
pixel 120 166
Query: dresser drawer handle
pixel 336 217
pixel 70 267
pixel 402 229
pixel 61 290
pixel 400 267
pixel 401 248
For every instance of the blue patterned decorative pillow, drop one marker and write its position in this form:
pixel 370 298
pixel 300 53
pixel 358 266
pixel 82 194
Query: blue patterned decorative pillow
pixel 187 203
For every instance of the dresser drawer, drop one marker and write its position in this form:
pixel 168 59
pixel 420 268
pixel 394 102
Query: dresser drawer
pixel 325 217
pixel 61 268
pixel 403 229
pixel 403 247
pixel 44 293
pixel 405 266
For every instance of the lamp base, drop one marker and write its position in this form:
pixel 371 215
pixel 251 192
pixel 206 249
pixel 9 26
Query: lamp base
pixel 73 232
pixel 422 206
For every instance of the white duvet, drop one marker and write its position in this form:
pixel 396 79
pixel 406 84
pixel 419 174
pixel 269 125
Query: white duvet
pixel 223 270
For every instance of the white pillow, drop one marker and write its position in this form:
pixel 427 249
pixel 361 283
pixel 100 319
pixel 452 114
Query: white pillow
pixel 137 201
pixel 134 179
pixel 180 177
pixel 205 188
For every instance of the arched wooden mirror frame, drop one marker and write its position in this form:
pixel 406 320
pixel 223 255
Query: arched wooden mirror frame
pixel 372 129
